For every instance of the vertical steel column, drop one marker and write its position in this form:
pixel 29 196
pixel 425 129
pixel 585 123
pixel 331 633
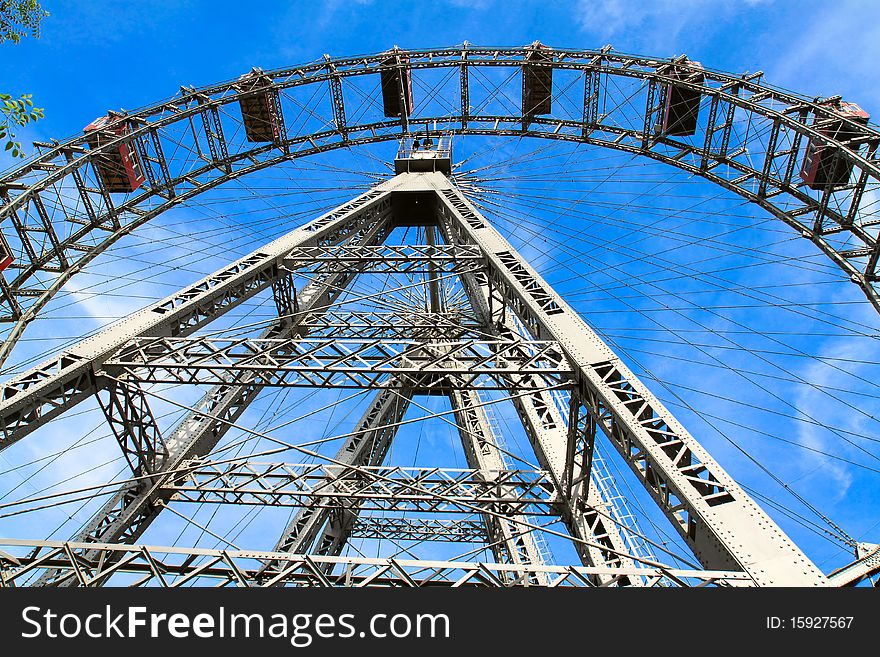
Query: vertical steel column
pixel 511 541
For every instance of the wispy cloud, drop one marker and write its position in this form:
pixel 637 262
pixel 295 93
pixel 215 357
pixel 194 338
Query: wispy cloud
pixel 610 18
pixel 832 397
pixel 836 48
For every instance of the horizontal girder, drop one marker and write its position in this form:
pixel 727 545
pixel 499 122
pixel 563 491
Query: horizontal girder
pixel 391 326
pixel 419 529
pixel 424 490
pixel 386 259
pixel 338 363
pixel 180 566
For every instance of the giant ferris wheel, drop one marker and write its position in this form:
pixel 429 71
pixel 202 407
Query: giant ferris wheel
pixel 466 316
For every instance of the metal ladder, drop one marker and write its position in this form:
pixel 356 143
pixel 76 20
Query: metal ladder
pixel 495 435
pixel 618 507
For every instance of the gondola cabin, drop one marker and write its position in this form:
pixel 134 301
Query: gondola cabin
pixel 823 166
pixel 120 167
pixel 537 82
pixel 682 107
pixel 260 107
pixel 393 71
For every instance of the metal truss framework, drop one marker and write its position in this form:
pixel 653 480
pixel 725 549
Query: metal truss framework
pixel 710 511
pixel 331 513
pixel 57 216
pixel 539 347
pixel 338 362
pixel 423 490
pixel 174 567
pixel 135 506
pixel 556 442
pixel 419 529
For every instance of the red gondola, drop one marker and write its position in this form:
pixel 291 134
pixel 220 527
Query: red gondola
pixel 119 168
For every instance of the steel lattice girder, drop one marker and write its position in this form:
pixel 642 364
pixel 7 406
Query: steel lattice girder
pixel 140 565
pixel 715 516
pixel 33 398
pixel 760 168
pixel 422 490
pixel 386 258
pixel 392 326
pixel 419 529
pixel 690 487
pixel 338 363
pixel 587 514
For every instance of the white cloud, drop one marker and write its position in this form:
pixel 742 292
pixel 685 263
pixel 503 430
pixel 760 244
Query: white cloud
pixel 836 51
pixel 610 18
pixel 99 306
pixel 840 365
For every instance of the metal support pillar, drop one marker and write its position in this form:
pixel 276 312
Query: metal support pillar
pixel 511 539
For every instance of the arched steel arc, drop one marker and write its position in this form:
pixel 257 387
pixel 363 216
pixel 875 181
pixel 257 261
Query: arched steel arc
pixel 812 214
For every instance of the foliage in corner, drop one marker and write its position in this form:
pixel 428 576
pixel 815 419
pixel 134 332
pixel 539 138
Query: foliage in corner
pixel 16 112
pixel 18 18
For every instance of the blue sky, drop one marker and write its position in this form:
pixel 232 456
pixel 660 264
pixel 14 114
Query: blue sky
pixel 98 55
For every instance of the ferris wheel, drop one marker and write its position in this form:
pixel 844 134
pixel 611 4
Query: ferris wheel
pixel 522 316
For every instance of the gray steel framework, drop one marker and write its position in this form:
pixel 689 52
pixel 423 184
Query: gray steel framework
pixel 419 529
pixel 710 511
pixel 521 337
pixel 56 216
pixel 427 490
pixel 331 513
pixel 133 508
pixel 174 567
pixel 539 345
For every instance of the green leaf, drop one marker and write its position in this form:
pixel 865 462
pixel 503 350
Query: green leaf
pixel 9 146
